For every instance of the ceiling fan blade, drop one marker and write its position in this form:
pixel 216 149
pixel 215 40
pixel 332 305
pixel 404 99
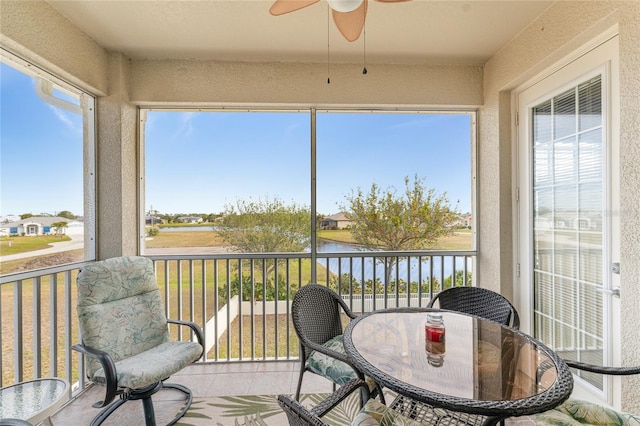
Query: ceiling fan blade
pixel 350 24
pixel 280 7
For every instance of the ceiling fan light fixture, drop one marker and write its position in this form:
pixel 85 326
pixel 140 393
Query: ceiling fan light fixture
pixel 344 5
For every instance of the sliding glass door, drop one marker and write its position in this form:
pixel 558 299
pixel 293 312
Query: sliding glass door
pixel 568 169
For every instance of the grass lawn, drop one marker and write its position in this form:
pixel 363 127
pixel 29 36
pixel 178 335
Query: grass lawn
pixel 462 239
pixel 287 338
pixel 14 245
pixel 186 239
pixel 43 261
pixel 7 295
pixel 339 235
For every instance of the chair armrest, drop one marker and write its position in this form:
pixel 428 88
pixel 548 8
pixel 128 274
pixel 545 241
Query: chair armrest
pixel 433 301
pixel 345 308
pixel 194 327
pixel 298 414
pixel 110 373
pixel 333 354
pixel 613 371
pixel 339 395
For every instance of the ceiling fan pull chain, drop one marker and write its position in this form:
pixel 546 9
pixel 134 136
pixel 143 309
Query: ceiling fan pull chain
pixel 328 54
pixel 364 49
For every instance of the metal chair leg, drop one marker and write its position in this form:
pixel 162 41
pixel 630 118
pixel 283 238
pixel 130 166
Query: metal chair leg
pixel 299 383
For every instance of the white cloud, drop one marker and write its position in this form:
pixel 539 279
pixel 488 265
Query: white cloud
pixel 185 129
pixel 62 116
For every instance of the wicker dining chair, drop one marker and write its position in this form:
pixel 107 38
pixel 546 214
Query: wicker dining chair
pixel 481 302
pixel 478 301
pixel 299 415
pixel 316 315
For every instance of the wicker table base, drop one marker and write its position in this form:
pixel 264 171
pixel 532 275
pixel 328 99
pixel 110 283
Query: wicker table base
pixel 429 415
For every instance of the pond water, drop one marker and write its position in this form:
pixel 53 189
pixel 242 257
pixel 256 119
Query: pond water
pixel 407 269
pixel 188 228
pixel 441 267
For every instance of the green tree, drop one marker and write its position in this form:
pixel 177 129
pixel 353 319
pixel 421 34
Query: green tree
pixel 59 227
pixel 25 216
pixel 266 226
pixel 210 218
pixel 413 220
pixel 66 214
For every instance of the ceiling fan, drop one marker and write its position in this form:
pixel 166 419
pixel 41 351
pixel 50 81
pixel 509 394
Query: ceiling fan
pixel 348 15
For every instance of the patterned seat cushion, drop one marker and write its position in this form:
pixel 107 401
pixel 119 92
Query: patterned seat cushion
pixel 153 365
pixel 335 370
pixel 329 367
pixel 375 413
pixel 120 310
pixel 576 412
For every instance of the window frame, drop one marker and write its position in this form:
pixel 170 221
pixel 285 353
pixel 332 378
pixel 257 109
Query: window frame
pixel 473 137
pixel 87 103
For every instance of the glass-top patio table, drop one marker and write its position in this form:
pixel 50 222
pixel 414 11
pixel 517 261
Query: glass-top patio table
pixel 34 400
pixel 483 372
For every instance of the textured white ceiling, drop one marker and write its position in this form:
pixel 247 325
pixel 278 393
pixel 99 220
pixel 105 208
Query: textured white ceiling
pixel 412 32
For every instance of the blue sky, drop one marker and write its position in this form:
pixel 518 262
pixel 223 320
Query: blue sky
pixel 225 156
pixel 40 151
pixel 200 162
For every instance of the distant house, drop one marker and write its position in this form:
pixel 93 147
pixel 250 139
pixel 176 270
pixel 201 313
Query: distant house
pixel 464 220
pixel 190 219
pixel 335 221
pixel 153 220
pixel 41 225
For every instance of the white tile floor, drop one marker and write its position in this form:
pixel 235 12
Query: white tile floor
pixel 246 378
pixel 249 378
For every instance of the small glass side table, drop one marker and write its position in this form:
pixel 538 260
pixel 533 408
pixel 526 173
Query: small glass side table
pixel 34 400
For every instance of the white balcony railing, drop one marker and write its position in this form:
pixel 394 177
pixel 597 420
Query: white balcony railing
pixel 234 297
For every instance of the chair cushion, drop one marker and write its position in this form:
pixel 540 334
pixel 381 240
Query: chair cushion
pixel 120 310
pixel 333 369
pixel 329 367
pixel 375 413
pixel 576 412
pixel 115 279
pixel 153 365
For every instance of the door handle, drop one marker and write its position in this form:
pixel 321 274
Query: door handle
pixel 612 291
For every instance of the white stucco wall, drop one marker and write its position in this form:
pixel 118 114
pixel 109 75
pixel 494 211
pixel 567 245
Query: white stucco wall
pixel 117 183
pixel 555 34
pixel 211 83
pixel 36 32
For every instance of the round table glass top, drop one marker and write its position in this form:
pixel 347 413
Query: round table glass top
pixel 479 359
pixel 28 400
